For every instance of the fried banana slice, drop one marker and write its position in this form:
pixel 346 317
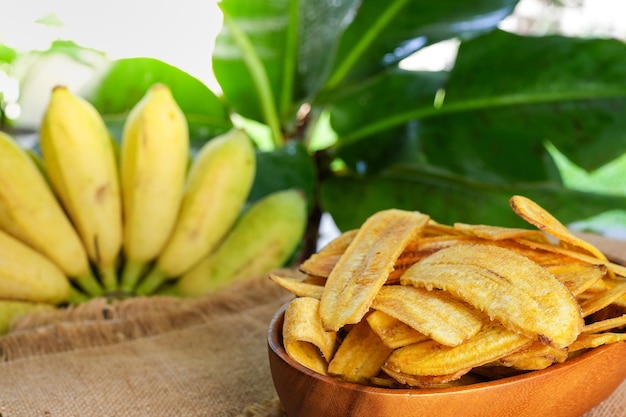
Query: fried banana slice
pixel 421 361
pixel 392 331
pixel 536 215
pixel 323 262
pixel 296 283
pixel 589 341
pixel 365 265
pixel 428 381
pixel 507 286
pixel 578 277
pixel 339 244
pixel 604 325
pixel 304 338
pixel 422 247
pixel 534 357
pixel 360 356
pixel 434 228
pixel 602 299
pixel 435 313
pixel 499 233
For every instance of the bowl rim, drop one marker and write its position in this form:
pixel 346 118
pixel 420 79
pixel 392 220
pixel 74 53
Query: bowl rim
pixel 275 343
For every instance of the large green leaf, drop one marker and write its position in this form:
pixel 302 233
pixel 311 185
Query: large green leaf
pixel 126 81
pixel 270 54
pixel 506 97
pixel 448 198
pixel 514 91
pixel 383 97
pixel 385 32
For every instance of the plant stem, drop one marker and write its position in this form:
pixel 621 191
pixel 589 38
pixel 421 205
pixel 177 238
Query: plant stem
pixel 131 273
pixel 89 284
pixel 108 276
pixel 151 282
pixel 312 232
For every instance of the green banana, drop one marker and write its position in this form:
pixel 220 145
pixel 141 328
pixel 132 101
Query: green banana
pixel 30 212
pixel 27 275
pixel 12 310
pixel 261 240
pixel 218 185
pixel 80 161
pixel 153 164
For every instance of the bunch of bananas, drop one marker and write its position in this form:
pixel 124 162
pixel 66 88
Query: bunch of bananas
pixel 88 218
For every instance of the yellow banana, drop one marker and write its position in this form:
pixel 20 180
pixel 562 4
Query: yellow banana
pixel 30 212
pixel 80 161
pixel 261 240
pixel 154 158
pixel 217 187
pixel 27 275
pixel 12 310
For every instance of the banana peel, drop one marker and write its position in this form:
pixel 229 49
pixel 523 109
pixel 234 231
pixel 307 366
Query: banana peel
pixel 262 240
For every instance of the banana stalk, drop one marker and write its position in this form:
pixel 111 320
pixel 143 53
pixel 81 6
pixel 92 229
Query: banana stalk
pixel 262 240
pixel 217 187
pixel 27 275
pixel 30 212
pixel 80 161
pixel 154 157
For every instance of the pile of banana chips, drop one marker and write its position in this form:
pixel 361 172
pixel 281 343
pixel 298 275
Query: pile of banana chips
pixel 404 301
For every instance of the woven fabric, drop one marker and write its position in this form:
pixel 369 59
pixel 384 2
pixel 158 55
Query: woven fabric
pixel 161 356
pixel 157 358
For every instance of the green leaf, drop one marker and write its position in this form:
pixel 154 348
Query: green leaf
pixel 287 167
pixel 381 98
pixel 126 81
pixel 385 32
pixel 74 51
pixel 448 198
pixel 271 54
pixel 7 55
pixel 508 89
pixel 509 95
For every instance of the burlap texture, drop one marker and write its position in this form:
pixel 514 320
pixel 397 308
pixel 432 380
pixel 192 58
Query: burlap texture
pixel 161 357
pixel 157 357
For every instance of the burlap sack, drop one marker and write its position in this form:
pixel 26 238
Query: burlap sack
pixel 143 357
pixel 161 357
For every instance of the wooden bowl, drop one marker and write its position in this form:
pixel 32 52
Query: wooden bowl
pixel 563 390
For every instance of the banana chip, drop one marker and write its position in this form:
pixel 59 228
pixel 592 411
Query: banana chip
pixel 322 263
pixel 296 284
pixel 606 324
pixel 534 357
pixel 366 264
pixel 588 341
pixel 578 277
pixel 507 286
pixel 304 338
pixel 431 359
pixel 392 331
pixel 436 314
pixel 499 233
pixel 600 300
pixel 536 215
pixel 360 356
